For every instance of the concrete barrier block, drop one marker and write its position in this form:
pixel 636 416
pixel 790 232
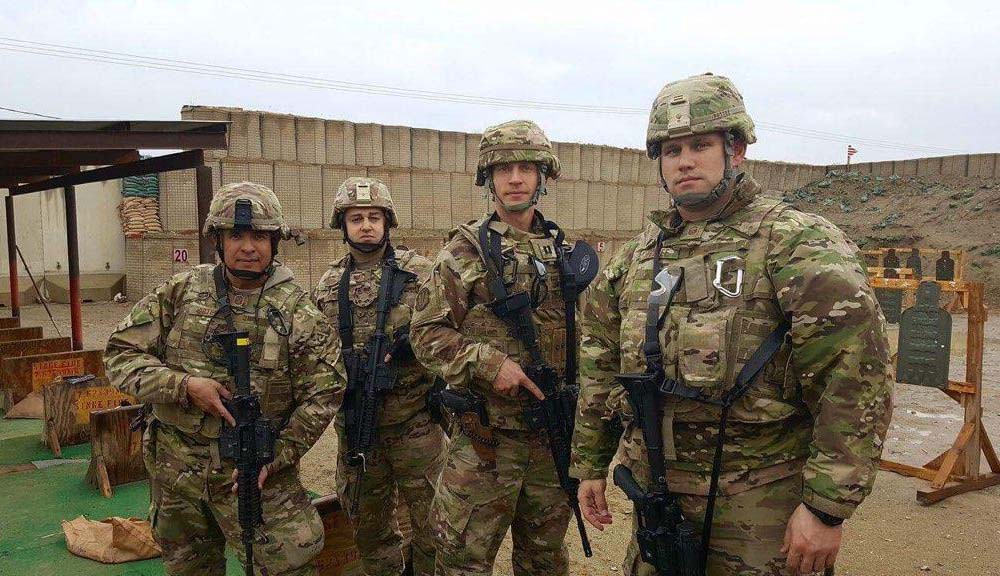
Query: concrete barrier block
pixel 396 146
pixel 178 200
pixel 463 194
pixel 610 163
pixel 955 165
pixel 402 197
pixel 982 165
pixel 452 150
pixel 426 149
pixel 244 135
pixel 233 172
pixel 905 167
pixel 590 162
pixel 441 182
pixel 311 196
pixel 368 144
pixel 340 145
pixel 929 166
pixel 581 208
pixel 569 160
pixel 423 200
pixel 472 152
pixel 298 260
pixel 883 169
pixel 278 137
pixel 333 177
pixel 310 138
pixel 629 169
pixel 286 188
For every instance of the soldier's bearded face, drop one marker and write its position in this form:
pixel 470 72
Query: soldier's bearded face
pixel 365 225
pixel 515 182
pixel 248 250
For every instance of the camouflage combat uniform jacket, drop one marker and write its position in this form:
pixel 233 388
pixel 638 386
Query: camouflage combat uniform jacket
pixel 409 395
pixel 162 341
pixel 822 404
pixel 455 333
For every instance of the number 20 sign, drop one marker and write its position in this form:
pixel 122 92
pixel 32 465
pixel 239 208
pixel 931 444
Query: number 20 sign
pixel 181 255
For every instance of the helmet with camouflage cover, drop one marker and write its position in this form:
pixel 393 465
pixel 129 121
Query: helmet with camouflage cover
pixel 245 205
pixel 361 192
pixel 700 104
pixel 515 141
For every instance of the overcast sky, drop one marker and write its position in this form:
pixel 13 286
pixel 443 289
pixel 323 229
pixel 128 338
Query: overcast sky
pixel 920 74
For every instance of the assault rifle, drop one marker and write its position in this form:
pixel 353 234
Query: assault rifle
pixel 666 539
pixel 369 376
pixel 250 443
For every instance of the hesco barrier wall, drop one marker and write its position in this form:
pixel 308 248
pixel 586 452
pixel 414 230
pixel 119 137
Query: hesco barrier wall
pixel 603 194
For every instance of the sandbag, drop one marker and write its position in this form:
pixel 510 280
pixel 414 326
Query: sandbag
pixel 111 541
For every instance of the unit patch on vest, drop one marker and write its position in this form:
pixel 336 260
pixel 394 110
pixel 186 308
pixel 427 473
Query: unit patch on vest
pixel 363 290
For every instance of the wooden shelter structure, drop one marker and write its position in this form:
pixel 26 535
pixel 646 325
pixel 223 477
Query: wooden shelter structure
pixel 38 155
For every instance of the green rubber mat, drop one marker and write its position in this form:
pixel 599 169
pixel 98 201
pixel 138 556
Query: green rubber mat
pixel 20 443
pixel 36 501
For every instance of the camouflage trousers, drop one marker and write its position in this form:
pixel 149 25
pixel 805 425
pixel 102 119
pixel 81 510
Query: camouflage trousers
pixel 405 464
pixel 477 501
pixel 194 514
pixel 747 533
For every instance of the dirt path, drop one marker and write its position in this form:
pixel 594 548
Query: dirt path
pixel 891 534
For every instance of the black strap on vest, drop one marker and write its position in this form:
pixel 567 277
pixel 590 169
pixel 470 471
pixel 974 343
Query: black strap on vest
pixel 513 309
pixel 673 387
pixel 222 296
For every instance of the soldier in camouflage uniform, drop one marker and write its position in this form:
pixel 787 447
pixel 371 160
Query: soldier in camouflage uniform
pixel 802 445
pixel 410 446
pixel 163 354
pixel 502 475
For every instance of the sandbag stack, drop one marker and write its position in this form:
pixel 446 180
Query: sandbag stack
pixel 139 210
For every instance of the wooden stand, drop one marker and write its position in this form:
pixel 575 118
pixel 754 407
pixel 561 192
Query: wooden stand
pixel 116 456
pixel 67 408
pixel 957 470
pixel 961 301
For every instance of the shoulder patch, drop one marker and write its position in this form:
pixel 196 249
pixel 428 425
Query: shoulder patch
pixel 423 298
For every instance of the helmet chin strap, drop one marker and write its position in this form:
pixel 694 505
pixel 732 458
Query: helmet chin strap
pixel 520 206
pixel 365 247
pixel 704 200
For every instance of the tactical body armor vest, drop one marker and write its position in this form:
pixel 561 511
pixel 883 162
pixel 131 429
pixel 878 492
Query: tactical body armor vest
pixel 188 346
pixel 725 308
pixel 530 265
pixel 409 395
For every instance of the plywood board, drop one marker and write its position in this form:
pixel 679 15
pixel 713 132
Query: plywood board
pixel 340 145
pixel 25 374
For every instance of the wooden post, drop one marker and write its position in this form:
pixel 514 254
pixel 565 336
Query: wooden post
pixel 116 456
